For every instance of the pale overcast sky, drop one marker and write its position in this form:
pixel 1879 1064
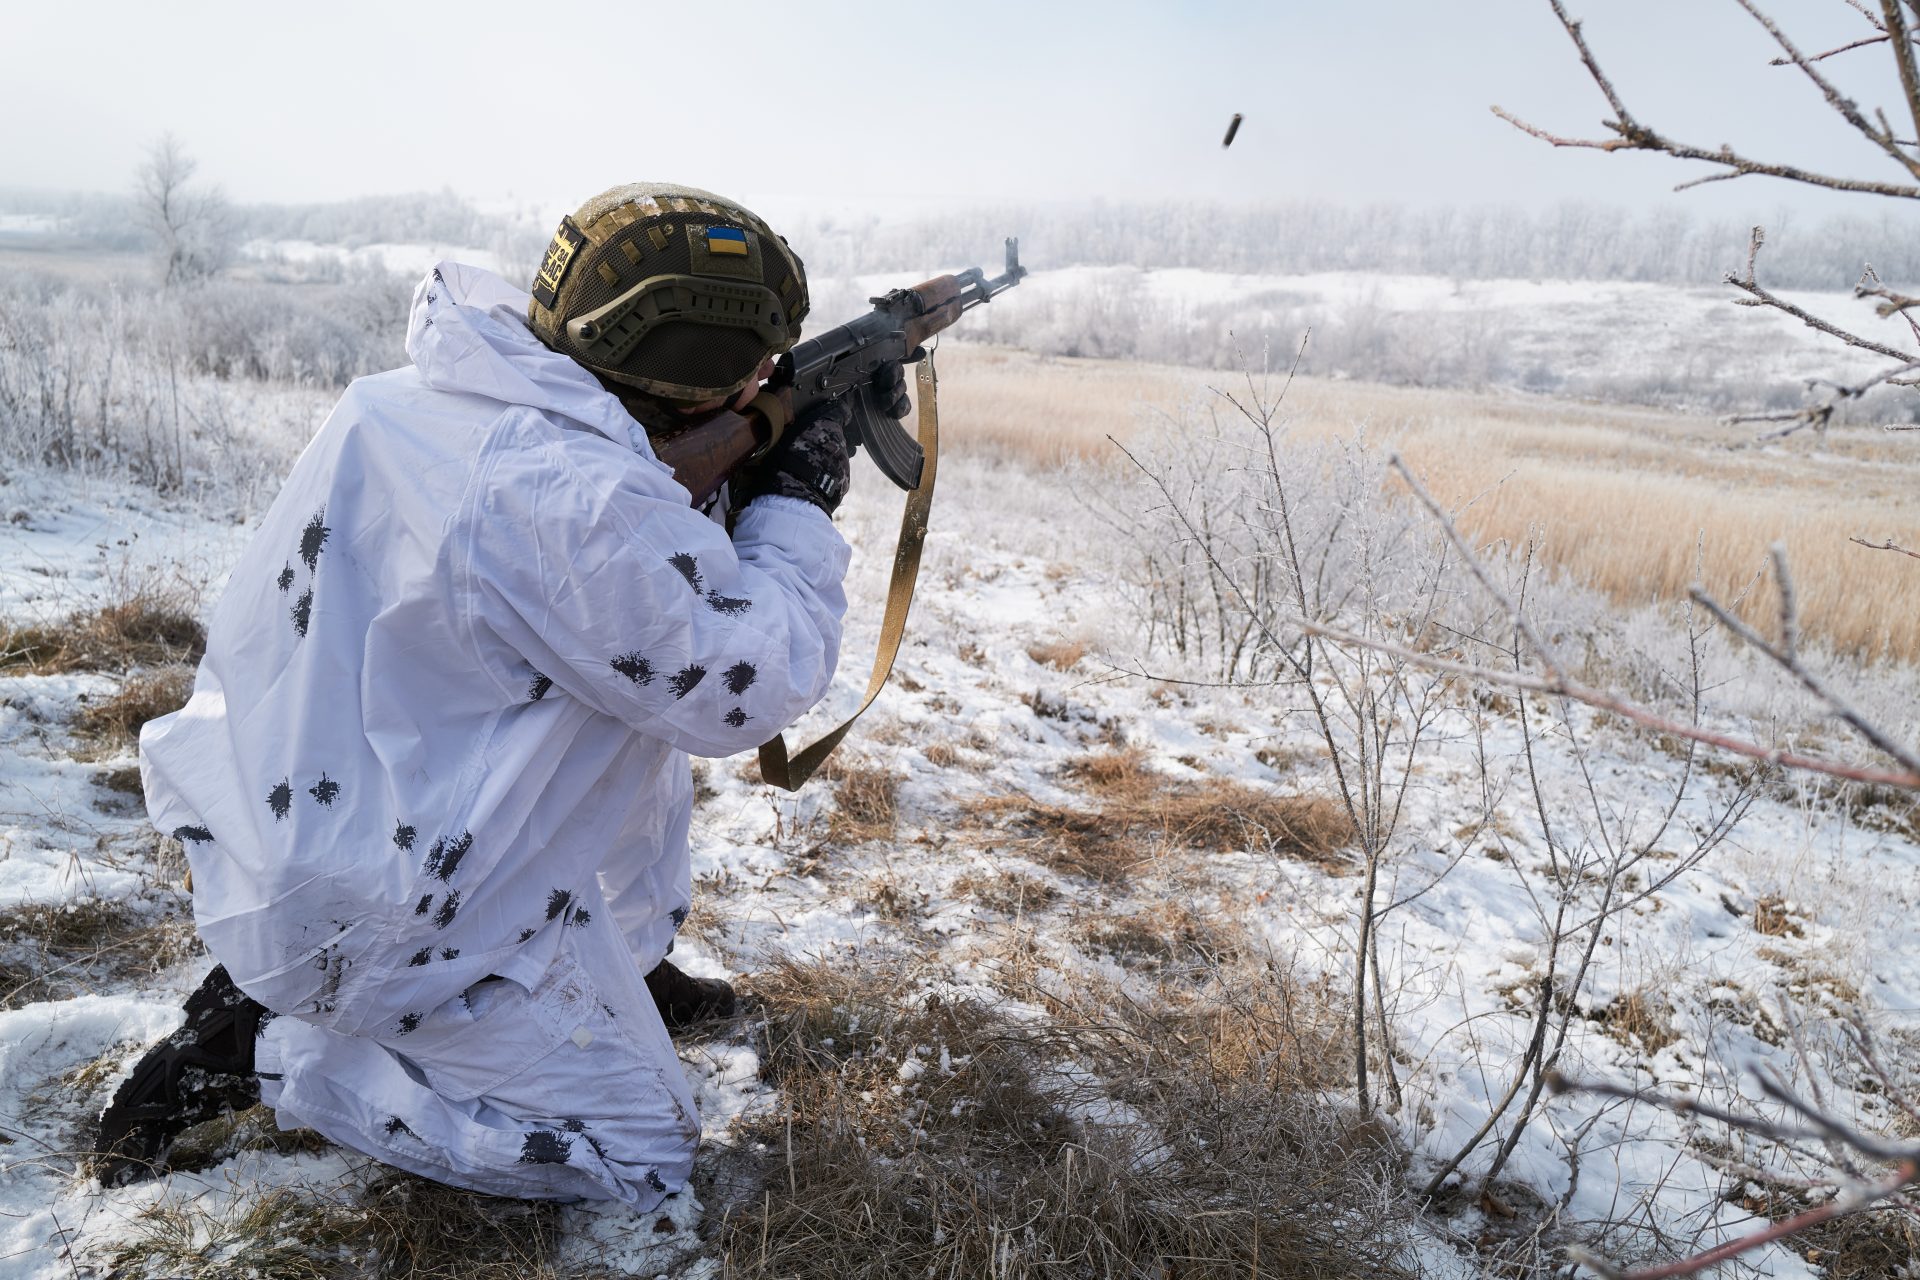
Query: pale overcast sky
pixel 897 105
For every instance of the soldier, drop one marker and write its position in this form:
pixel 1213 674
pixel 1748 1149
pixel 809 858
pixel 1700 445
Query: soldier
pixel 433 779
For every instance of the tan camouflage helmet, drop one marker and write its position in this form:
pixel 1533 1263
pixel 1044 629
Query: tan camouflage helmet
pixel 674 291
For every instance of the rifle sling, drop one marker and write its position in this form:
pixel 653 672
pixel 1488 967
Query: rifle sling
pixel 790 773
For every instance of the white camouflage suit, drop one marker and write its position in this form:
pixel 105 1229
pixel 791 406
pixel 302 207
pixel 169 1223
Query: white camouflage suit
pixel 432 781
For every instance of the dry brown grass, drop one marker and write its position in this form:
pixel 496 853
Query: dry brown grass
pixel 866 800
pixel 1640 1020
pixel 1141 815
pixel 943 754
pixel 1863 1246
pixel 149 628
pixel 1620 494
pixel 1011 893
pixel 1225 1162
pixel 1166 934
pixel 55 952
pixel 1061 655
pixel 893 898
pixel 114 724
pixel 1773 919
pixel 392 1225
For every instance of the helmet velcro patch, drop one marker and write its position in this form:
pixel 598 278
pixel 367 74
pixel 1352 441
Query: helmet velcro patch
pixel 567 239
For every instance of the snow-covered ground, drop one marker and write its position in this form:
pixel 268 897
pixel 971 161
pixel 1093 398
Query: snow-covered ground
pixel 411 260
pixel 1013 561
pixel 1648 343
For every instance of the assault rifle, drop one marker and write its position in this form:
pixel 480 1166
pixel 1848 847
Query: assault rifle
pixel 840 362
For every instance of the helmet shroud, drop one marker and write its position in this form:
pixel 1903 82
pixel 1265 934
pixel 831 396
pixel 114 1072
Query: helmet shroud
pixel 672 291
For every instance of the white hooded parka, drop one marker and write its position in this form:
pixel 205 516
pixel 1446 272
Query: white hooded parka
pixel 439 735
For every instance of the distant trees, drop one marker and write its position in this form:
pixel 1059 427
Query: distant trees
pixel 192 227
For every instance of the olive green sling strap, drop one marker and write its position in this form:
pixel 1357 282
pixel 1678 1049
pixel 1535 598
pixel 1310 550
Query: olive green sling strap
pixel 779 769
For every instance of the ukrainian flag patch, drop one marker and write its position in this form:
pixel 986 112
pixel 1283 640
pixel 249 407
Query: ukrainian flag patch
pixel 727 240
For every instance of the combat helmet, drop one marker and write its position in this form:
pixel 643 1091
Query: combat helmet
pixel 672 291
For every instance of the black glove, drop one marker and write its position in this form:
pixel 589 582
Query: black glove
pixel 809 462
pixel 888 391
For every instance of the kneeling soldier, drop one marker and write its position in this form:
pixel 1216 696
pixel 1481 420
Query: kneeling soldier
pixel 433 779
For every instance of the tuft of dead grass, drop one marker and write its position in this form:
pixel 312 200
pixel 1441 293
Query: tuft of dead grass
pixel 393 1225
pixel 422 1230
pixel 1164 935
pixel 148 628
pixel 54 952
pixel 1639 1019
pixel 923 1133
pixel 1011 893
pixel 893 898
pixel 1061 655
pixel 114 724
pixel 866 800
pixel 1772 919
pixel 281 1234
pixel 1142 814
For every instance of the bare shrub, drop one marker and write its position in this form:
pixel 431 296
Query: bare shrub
pixel 922 1133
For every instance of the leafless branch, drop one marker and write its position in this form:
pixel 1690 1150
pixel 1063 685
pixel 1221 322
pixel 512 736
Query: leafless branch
pixel 1892 303
pixel 1850 1197
pixel 1633 135
pixel 1760 296
pixel 1888 545
pixel 1849 47
pixel 1784 656
pixel 1622 707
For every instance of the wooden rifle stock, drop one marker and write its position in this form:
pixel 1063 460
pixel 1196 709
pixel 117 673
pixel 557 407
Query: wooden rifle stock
pixel 704 454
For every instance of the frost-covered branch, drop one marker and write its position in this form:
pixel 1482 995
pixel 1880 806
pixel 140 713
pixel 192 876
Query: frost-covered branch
pixel 1888 545
pixel 1900 1162
pixel 1631 134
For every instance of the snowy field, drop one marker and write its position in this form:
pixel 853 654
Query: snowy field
pixel 1007 688
pixel 1005 831
pixel 1651 343
pixel 1688 347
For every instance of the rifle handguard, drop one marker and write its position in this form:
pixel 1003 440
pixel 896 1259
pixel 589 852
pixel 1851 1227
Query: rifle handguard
pixel 778 417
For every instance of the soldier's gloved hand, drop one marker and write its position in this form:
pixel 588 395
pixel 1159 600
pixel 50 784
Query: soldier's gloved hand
pixel 888 388
pixel 809 462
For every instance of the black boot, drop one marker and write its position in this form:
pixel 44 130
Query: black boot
pixel 195 1074
pixel 684 1000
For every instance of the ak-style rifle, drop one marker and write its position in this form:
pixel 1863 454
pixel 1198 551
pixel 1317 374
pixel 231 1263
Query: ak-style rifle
pixel 839 363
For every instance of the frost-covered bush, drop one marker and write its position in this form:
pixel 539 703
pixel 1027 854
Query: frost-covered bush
pixel 211 386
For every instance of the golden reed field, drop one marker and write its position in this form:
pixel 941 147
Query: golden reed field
pixel 1620 497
